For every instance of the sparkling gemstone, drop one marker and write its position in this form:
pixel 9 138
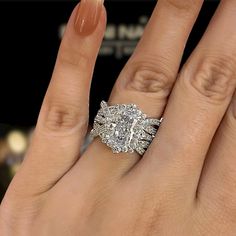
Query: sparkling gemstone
pixel 122 128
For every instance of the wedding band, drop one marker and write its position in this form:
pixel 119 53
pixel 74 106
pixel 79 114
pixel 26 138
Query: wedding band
pixel 124 128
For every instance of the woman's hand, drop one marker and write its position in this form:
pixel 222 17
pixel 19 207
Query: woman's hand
pixel 185 184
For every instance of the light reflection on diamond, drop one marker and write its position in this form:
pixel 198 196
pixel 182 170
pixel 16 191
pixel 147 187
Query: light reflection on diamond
pixel 124 128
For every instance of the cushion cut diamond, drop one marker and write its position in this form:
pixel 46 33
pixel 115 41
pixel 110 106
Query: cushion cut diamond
pixel 124 128
pixel 122 125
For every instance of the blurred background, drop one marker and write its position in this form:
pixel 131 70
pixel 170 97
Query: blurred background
pixel 31 32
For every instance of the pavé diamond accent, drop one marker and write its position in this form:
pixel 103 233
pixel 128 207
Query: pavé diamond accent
pixel 124 128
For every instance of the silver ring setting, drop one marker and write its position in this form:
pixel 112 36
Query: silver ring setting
pixel 124 128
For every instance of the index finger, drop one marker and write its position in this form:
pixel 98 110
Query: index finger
pixel 63 118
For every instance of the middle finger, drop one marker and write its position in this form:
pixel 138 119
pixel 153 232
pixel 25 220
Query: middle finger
pixel 197 104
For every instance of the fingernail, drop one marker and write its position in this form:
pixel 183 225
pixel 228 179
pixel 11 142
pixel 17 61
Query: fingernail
pixel 88 16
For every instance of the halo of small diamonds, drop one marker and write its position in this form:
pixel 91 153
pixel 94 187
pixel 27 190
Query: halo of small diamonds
pixel 124 128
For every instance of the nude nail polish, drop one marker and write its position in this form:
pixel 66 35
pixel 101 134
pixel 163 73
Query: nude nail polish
pixel 88 15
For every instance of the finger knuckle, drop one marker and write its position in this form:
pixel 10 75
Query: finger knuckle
pixel 147 77
pixel 63 117
pixel 181 5
pixel 72 58
pixel 214 78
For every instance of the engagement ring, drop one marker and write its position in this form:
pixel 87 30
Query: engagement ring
pixel 124 128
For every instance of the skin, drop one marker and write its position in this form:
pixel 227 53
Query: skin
pixel 185 184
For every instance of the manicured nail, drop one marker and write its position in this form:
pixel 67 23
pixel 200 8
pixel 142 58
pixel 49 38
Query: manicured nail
pixel 88 16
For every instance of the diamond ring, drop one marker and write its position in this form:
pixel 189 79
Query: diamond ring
pixel 124 128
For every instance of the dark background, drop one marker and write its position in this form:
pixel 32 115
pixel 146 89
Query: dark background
pixel 28 46
pixel 30 37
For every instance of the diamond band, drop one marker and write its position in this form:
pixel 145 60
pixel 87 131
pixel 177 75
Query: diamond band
pixel 124 128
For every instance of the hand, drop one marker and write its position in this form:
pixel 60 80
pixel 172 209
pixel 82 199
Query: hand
pixel 185 184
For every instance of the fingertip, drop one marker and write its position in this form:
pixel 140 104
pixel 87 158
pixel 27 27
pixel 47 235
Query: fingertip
pixel 88 17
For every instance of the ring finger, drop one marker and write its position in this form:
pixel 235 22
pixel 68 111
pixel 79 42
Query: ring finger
pixel 148 77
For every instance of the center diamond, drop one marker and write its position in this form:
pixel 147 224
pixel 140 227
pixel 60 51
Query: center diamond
pixel 122 128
